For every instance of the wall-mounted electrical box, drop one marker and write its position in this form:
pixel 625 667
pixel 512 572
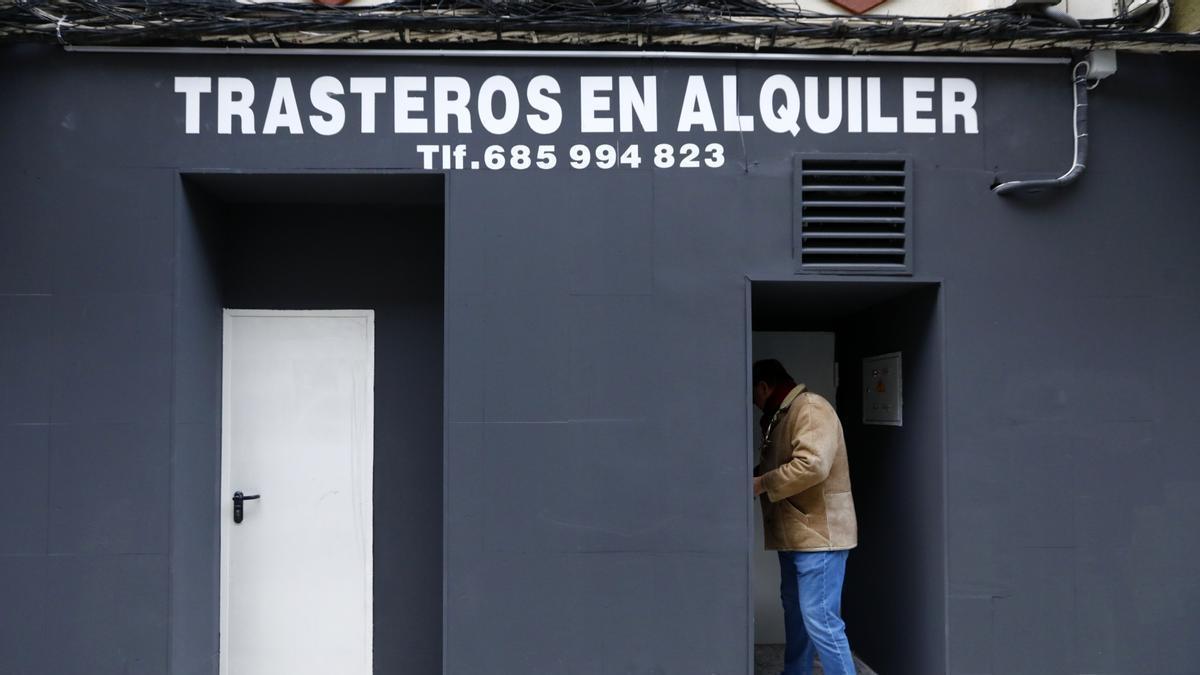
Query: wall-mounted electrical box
pixel 883 400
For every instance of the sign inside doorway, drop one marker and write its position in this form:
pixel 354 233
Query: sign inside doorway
pixel 883 402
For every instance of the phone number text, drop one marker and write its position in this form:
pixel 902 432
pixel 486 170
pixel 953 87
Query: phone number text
pixel 580 156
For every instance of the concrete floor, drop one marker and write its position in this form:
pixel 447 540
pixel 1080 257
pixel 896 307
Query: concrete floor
pixel 768 660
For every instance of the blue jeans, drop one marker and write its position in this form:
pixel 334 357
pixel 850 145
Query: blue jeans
pixel 810 584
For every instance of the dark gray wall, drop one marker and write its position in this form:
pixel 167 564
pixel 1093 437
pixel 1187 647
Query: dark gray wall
pixel 597 507
pixel 194 591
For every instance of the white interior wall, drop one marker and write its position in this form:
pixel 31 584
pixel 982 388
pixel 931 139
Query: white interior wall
pixel 809 357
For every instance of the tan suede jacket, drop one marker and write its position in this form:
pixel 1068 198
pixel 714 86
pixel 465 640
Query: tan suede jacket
pixel 807 505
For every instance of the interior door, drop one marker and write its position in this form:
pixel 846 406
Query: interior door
pixel 296 571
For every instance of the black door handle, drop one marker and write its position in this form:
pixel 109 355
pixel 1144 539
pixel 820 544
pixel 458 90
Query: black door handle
pixel 238 499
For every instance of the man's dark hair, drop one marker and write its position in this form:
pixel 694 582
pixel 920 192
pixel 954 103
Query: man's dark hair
pixel 772 372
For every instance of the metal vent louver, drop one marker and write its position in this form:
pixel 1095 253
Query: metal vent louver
pixel 853 215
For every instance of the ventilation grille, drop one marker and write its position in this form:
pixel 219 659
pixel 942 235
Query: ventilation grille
pixel 853 215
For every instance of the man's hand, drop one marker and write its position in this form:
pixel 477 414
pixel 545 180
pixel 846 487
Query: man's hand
pixel 759 488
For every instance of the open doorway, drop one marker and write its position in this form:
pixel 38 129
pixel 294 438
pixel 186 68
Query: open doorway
pixel 322 296
pixel 826 332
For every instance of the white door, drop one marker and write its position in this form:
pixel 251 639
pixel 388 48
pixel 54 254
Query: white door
pixel 296 586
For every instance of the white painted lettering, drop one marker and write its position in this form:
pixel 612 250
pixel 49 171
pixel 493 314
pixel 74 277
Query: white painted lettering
pixel 854 104
pixel 592 101
pixel 608 104
pixel 499 84
pixel 283 111
pixel 450 98
pixel 322 93
pixel 877 122
pixel 696 109
pixel 192 88
pixel 812 105
pixel 538 92
pixel 958 100
pixel 734 120
pixel 405 103
pixel 643 104
pixel 785 118
pixel 917 100
pixel 230 106
pixel 427 153
pixel 367 89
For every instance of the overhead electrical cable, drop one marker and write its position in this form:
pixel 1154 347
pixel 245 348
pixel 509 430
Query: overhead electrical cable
pixel 732 23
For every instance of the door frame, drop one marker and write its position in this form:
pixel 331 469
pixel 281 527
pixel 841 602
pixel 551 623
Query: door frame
pixel 226 430
pixel 834 281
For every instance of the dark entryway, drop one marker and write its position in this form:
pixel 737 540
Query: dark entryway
pixel 310 242
pixel 894 598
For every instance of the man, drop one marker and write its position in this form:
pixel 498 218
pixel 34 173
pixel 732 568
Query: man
pixel 808 516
